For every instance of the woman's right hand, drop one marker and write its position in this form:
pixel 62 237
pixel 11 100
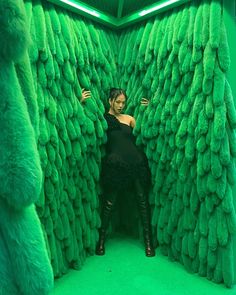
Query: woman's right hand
pixel 85 94
pixel 144 102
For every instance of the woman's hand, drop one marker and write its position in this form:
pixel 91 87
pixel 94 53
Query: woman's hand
pixel 85 94
pixel 144 102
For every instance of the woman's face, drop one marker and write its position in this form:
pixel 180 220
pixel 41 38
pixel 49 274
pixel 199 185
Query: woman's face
pixel 117 105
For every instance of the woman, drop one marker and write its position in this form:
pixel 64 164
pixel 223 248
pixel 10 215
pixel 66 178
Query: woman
pixel 123 167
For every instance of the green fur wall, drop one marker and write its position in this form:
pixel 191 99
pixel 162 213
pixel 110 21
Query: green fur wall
pixel 180 60
pixel 66 55
pixel 188 130
pixel 230 22
pixel 25 267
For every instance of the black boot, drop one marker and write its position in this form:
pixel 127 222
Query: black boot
pixel 147 231
pixel 148 241
pixel 100 248
pixel 105 219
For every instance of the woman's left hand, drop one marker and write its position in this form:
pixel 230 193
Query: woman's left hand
pixel 144 102
pixel 85 94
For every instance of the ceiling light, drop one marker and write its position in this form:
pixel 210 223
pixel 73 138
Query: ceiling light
pixel 80 7
pixel 158 7
pixel 117 22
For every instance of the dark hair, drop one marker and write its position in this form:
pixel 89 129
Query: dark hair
pixel 115 92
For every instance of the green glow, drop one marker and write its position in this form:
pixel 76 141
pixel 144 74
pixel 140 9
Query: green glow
pixel 117 22
pixel 87 11
pixel 157 7
pixel 82 7
pixel 149 11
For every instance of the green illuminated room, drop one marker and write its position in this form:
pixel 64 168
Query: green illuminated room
pixel 171 64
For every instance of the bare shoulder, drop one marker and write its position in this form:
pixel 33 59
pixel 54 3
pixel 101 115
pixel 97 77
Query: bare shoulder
pixel 127 117
pixel 129 120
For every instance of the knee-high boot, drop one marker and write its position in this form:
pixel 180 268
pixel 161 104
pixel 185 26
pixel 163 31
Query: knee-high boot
pixel 147 230
pixel 105 219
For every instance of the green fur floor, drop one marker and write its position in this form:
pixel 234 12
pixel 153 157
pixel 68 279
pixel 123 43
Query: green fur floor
pixel 125 270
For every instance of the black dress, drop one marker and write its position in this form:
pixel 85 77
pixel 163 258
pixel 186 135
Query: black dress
pixel 124 162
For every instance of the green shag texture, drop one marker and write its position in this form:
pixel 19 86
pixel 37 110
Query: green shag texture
pixel 179 60
pixel 68 54
pixel 24 263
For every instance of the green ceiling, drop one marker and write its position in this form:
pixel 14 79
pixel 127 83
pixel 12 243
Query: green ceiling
pixel 118 13
pixel 119 8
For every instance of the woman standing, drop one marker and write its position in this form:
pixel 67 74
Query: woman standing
pixel 124 166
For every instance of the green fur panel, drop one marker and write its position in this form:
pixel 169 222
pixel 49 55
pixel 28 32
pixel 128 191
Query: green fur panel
pixel 19 161
pixel 25 265
pixel 179 60
pixel 68 54
pixel 188 132
pixel 14 30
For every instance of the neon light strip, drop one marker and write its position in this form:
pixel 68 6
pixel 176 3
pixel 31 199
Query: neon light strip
pixel 75 5
pixel 157 7
pixel 116 22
